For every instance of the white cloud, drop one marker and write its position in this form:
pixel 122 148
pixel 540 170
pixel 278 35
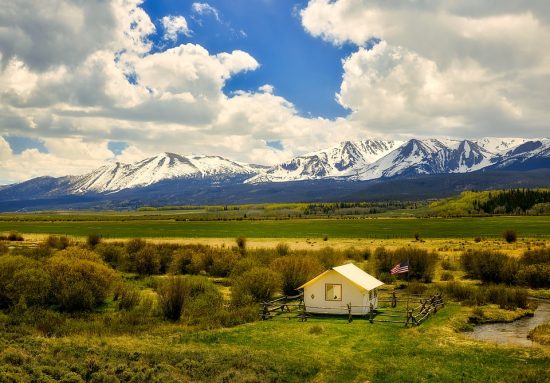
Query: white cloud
pixel 174 25
pixel 205 9
pixel 84 75
pixel 455 68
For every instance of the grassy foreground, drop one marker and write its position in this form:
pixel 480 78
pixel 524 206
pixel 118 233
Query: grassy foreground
pixel 295 228
pixel 320 350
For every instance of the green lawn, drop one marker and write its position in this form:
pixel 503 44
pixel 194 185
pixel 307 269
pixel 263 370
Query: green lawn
pixel 298 228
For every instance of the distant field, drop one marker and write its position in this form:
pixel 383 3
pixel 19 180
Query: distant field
pixel 295 228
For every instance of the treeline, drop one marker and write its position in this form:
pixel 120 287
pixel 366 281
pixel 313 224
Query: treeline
pixel 352 208
pixel 513 201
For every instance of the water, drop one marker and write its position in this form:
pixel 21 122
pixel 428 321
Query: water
pixel 515 332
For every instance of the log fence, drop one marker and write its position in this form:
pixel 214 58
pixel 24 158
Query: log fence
pixel 405 309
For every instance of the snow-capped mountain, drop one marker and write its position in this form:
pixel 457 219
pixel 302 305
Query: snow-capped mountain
pixel 164 166
pixel 176 177
pixel 369 160
pixel 343 160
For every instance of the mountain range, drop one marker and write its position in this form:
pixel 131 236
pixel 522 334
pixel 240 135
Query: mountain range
pixel 350 164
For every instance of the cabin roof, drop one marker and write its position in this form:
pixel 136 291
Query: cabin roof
pixel 352 273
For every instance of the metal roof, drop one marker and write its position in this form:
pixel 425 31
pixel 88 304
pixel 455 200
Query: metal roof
pixel 354 274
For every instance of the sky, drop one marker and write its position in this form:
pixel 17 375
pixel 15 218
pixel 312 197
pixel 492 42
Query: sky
pixel 86 82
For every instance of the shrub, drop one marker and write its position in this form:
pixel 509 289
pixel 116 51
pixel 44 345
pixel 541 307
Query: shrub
pixel 505 297
pixel 171 297
pixel 256 285
pixel 93 240
pixel 80 281
pixel 489 266
pixel 243 265
pixel 329 257
pixel 447 276
pixel 416 288
pixel 223 262
pixel 537 275
pixel 295 271
pixel 282 249
pixel 14 236
pixel 181 261
pixel 134 245
pixel 537 256
pixel 447 265
pixel 55 242
pixel 4 249
pixel 147 261
pixel 127 297
pixel 356 254
pixel 509 235
pixel 112 254
pixel 203 302
pixel 387 278
pixel 421 262
pixel 241 245
pixel 22 278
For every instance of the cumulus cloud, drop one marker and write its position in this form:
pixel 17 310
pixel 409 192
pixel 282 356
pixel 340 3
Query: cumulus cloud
pixel 455 68
pixel 78 74
pixel 174 25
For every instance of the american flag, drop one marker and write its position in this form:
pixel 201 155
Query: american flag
pixel 400 268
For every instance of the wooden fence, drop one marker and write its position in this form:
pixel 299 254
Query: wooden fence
pixel 405 309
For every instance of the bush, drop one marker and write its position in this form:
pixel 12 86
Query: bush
pixel 510 235
pixel 223 262
pixel 421 262
pixel 505 297
pixel 282 249
pixel 112 254
pixel 489 266
pixel 447 276
pixel 147 261
pixel 80 281
pixel 127 297
pixel 22 278
pixel 537 256
pixel 295 271
pixel 241 245
pixel 356 254
pixel 93 240
pixel 171 298
pixel 387 278
pixel 537 275
pixel 14 236
pixel 55 242
pixel 328 257
pixel 256 285
pixel 4 249
pixel 134 245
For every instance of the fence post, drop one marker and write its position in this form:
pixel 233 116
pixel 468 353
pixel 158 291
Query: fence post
pixel 393 299
pixel 371 313
pixel 349 313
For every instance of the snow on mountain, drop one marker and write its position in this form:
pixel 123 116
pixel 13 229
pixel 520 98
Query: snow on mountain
pixel 343 160
pixel 529 155
pixel 164 166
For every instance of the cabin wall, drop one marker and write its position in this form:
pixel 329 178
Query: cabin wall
pixel 314 296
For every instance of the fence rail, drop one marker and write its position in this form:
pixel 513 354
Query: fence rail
pixel 400 308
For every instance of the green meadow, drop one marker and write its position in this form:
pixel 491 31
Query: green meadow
pixel 526 226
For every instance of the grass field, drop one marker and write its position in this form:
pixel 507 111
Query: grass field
pixel 320 350
pixel 298 228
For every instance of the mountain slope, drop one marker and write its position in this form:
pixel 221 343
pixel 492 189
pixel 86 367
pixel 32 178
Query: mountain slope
pixel 343 160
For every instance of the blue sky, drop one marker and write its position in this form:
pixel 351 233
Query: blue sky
pixel 305 70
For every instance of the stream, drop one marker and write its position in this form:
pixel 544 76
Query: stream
pixel 515 332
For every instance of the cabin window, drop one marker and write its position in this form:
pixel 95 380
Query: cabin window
pixel 333 292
